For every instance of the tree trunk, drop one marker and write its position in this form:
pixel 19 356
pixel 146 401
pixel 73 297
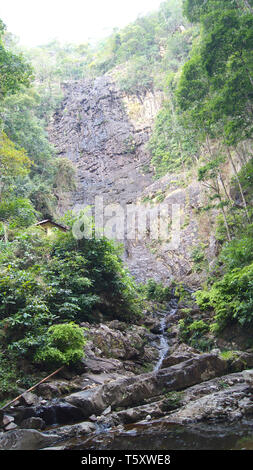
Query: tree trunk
pixel 226 224
pixel 246 3
pixel 5 234
pixel 239 184
pixel 223 211
pixel 225 189
pixel 241 156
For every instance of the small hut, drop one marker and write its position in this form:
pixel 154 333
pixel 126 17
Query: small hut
pixel 47 225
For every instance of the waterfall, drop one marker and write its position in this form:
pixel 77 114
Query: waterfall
pixel 164 344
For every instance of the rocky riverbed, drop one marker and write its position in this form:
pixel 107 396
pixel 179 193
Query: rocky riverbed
pixel 137 381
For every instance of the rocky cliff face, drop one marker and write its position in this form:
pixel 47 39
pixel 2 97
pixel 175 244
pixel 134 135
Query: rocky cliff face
pixel 93 129
pixel 105 133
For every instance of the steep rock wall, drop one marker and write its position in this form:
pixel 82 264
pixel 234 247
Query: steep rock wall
pixel 104 132
pixel 93 129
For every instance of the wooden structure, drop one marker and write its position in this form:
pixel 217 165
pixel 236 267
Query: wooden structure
pixel 48 225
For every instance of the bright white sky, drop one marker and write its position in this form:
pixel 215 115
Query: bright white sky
pixel 37 22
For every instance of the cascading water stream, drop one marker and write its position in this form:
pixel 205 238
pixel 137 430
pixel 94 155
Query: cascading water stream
pixel 164 344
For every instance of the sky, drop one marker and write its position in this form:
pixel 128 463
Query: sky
pixel 37 22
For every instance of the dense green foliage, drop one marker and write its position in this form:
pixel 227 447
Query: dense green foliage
pixel 14 70
pixel 48 284
pixel 215 94
pixel 212 95
pixel 44 279
pixel 203 63
pixel 194 333
pixel 172 146
pixel 144 50
pixel 64 345
pixel 50 281
pixel 231 298
pixel 139 56
pixel 217 84
pixel 156 291
pixel 29 171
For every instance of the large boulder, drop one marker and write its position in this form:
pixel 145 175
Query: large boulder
pixel 51 413
pixel 33 423
pixel 80 429
pixel 224 405
pixel 29 399
pixel 98 365
pixel 133 391
pixel 181 353
pixel 113 343
pixel 56 388
pixel 25 439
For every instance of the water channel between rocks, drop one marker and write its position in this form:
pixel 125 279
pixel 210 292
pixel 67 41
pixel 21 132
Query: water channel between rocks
pixel 164 343
pixel 160 434
pixel 163 435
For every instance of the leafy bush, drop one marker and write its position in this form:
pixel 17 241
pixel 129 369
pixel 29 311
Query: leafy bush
pixel 18 211
pixel 238 253
pixel 64 345
pixel 231 298
pixel 172 144
pixel 48 281
pixel 8 377
pixel 156 291
pixel 199 258
pixel 193 332
pixel 136 78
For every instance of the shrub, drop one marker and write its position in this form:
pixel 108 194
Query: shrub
pixel 193 332
pixel 64 345
pixel 231 298
pixel 156 291
pixel 18 211
pixel 198 258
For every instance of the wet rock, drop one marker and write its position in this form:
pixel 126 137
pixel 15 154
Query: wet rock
pixel 89 401
pixel 54 448
pixel 29 399
pixel 33 423
pixel 51 413
pixel 242 360
pixel 133 391
pixel 7 419
pixel 107 411
pixel 80 429
pixel 25 439
pixel 156 328
pixel 182 353
pixel 57 388
pixel 211 386
pixel 118 345
pixel 151 354
pixel 117 325
pixel 136 414
pixel 10 426
pixel 93 418
pixel 248 377
pixel 99 365
pixel 225 405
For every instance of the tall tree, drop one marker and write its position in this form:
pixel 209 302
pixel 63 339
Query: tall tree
pixel 219 75
pixel 15 72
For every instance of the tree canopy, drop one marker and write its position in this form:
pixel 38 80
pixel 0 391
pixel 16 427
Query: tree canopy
pixel 15 72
